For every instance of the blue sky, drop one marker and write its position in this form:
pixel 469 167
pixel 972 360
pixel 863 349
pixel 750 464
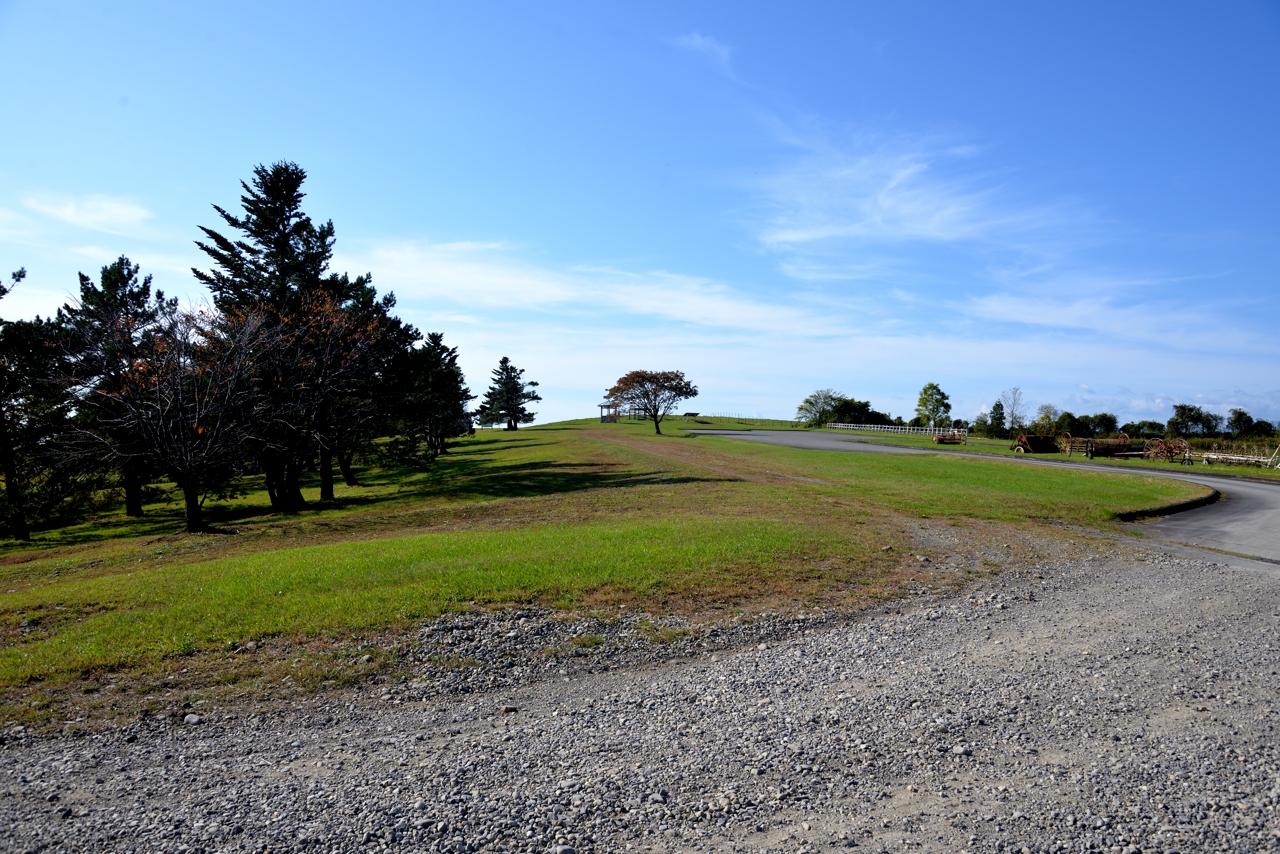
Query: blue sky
pixel 1080 200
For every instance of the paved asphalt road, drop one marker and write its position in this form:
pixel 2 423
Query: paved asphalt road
pixel 1245 521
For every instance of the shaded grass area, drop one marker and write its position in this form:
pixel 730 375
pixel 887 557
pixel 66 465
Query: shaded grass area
pixel 573 515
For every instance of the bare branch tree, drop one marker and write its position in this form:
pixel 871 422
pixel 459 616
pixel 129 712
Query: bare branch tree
pixel 1015 407
pixel 189 396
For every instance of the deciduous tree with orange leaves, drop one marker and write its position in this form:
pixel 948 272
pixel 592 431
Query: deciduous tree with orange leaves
pixel 653 394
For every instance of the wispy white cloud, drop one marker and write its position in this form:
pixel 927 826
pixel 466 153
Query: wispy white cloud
pixel 720 55
pixel 1103 316
pixel 476 274
pixel 836 197
pixel 490 275
pixel 838 270
pixel 13 226
pixel 111 214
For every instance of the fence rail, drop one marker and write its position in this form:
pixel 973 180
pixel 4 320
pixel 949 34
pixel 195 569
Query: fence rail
pixel 750 420
pixel 894 428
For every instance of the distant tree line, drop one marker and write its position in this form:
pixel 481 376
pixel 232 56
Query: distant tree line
pixel 1188 422
pixel 827 405
pixel 1009 416
pixel 294 367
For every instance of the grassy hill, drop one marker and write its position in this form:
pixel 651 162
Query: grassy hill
pixel 576 515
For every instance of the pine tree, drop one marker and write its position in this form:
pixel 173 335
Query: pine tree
pixel 424 399
pixel 279 268
pixel 102 334
pixel 34 412
pixel 282 255
pixel 506 398
pixel 997 428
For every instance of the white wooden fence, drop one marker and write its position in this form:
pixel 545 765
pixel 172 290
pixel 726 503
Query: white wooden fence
pixel 893 428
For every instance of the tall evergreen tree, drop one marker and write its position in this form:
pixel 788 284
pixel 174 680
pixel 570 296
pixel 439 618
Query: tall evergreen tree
pixel 103 335
pixel 426 399
pixel 997 428
pixel 369 411
pixel 279 267
pixel 34 411
pixel 506 399
pixel 281 257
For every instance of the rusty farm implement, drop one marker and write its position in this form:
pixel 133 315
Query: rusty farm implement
pixel 1030 443
pixel 1168 450
pixel 1243 454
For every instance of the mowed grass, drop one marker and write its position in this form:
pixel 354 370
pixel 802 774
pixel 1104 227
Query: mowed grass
pixel 967 486
pixel 113 620
pixel 578 515
pixel 1001 448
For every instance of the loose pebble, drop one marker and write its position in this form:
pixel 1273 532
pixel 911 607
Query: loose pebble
pixel 1047 709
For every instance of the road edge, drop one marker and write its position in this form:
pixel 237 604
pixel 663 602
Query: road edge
pixel 1170 509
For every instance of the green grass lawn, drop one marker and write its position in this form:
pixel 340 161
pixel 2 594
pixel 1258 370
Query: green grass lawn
pixel 1000 447
pixel 113 620
pixel 967 486
pixel 578 515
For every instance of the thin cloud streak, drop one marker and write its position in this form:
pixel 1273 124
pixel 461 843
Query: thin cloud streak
pixel 109 214
pixel 834 200
pixel 720 55
pixel 1177 329
pixel 770 373
pixel 761 354
pixel 480 274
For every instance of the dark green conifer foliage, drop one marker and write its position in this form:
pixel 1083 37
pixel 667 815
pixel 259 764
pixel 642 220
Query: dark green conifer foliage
pixel 102 334
pixel 281 256
pixel 426 399
pixel 997 428
pixel 279 266
pixel 506 399
pixel 34 411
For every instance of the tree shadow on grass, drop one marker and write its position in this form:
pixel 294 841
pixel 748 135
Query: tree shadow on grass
pixel 467 473
pixel 483 479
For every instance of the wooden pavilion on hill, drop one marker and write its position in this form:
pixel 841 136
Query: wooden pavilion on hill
pixel 610 412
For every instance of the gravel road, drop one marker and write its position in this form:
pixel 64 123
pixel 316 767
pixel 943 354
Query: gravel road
pixel 1120 702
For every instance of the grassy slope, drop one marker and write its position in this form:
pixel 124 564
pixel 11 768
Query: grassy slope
pixel 583 514
pixel 1000 448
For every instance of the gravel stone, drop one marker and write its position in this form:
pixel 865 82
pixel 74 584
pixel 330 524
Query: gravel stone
pixel 1124 702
